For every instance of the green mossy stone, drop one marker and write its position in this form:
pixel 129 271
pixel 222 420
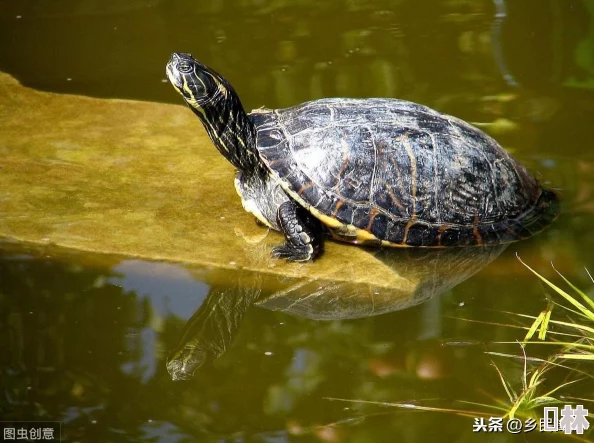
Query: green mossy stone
pixel 143 180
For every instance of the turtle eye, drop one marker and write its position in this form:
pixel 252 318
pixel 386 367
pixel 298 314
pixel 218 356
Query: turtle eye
pixel 184 67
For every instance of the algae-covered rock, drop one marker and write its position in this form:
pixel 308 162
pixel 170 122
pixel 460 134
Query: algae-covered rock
pixel 115 176
pixel 140 179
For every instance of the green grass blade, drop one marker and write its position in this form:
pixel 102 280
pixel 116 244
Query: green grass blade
pixel 542 333
pixel 520 401
pixel 484 405
pixel 587 357
pixel 552 391
pixel 412 406
pixel 574 326
pixel 536 378
pixel 525 370
pixel 517 357
pixel 543 400
pixel 582 294
pixel 548 343
pixel 585 311
pixel 508 389
pixel 534 326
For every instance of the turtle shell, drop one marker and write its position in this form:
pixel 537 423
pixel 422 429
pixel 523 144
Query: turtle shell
pixel 392 172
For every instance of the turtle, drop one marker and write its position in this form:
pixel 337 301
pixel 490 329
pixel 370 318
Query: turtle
pixel 377 172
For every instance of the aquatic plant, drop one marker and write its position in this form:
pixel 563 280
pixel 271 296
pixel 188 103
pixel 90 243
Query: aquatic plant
pixel 572 334
pixel 577 344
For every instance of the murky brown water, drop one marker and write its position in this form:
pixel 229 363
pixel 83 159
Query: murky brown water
pixel 84 339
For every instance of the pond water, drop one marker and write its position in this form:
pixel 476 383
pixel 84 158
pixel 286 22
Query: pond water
pixel 87 339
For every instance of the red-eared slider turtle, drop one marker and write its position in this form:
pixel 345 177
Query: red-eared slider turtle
pixel 381 172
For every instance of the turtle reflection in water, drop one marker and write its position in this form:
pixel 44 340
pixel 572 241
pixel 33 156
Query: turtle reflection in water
pixel 380 172
pixel 409 277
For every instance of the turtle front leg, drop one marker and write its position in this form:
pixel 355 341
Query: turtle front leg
pixel 302 233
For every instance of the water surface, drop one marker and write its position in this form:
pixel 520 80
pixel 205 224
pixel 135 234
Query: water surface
pixel 84 339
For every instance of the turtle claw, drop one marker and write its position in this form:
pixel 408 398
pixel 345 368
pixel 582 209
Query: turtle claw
pixel 291 253
pixel 302 234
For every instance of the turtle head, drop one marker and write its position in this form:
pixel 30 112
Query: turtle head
pixel 183 364
pixel 214 101
pixel 199 85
